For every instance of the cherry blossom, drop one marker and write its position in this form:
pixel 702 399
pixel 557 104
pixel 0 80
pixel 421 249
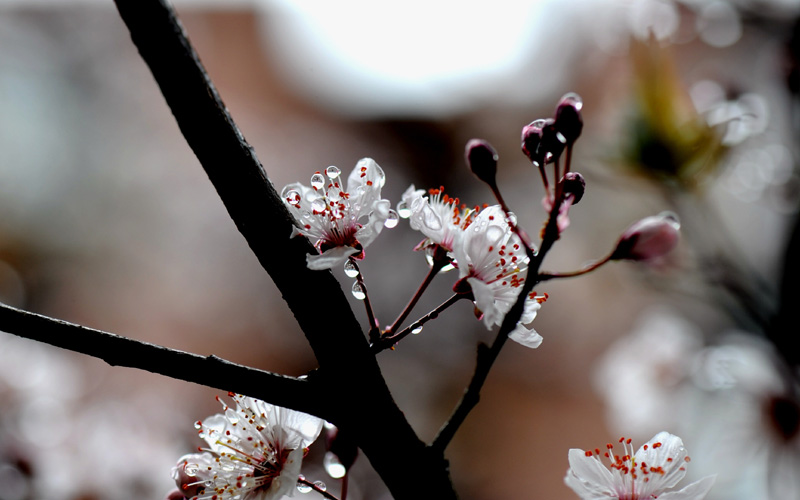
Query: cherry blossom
pixel 254 452
pixel 491 259
pixel 656 467
pixel 343 222
pixel 438 216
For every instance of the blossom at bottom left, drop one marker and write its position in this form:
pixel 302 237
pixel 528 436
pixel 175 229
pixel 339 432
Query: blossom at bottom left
pixel 255 452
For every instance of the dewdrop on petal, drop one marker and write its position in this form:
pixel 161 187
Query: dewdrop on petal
pixel 649 238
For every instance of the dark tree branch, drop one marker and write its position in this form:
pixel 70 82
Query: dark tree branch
pixel 121 351
pixel 354 390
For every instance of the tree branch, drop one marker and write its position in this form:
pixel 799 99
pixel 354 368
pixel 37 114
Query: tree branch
pixel 121 351
pixel 351 382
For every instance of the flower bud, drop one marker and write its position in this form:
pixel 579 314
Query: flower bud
pixel 553 142
pixel 531 137
pixel 574 185
pixel 175 495
pixel 482 160
pixel 649 238
pixel 569 122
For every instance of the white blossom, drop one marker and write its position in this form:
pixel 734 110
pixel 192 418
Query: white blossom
pixel 438 216
pixel 492 259
pixel 343 222
pixel 254 452
pixel 656 467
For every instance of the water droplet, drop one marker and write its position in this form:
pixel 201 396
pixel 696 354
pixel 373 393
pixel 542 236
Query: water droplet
pixel 320 485
pixel 306 214
pixel 334 194
pixel 198 425
pixel 318 205
pixel 317 181
pixel 292 197
pixel 416 329
pixel 333 466
pixel 381 176
pixel 403 210
pixel 191 469
pixel 209 483
pixel 358 291
pixel 332 172
pixel 350 269
pixel 540 123
pixel 392 220
pixel 572 99
pixel 303 488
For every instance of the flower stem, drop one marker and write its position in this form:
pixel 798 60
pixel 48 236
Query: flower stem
pixel 589 268
pixel 386 342
pixel 316 488
pixel 374 328
pixel 439 262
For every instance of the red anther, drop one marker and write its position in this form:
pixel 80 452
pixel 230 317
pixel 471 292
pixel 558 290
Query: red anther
pixel 588 453
pixel 687 459
pixel 645 447
pixel 629 439
pixel 656 445
pixel 609 446
pixel 621 439
pixel 231 394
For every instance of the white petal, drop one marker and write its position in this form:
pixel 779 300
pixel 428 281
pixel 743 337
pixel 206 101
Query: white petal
pixel 525 336
pixel 329 258
pixel 286 482
pixel 695 491
pixel 484 300
pixel 671 447
pixel 589 478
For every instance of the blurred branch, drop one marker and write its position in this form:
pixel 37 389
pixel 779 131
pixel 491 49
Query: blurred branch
pixel 352 387
pixel 121 351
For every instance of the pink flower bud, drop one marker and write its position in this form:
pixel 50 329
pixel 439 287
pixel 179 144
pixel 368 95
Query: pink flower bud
pixel 649 238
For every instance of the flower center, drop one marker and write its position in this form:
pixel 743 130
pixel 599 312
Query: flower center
pixel 633 473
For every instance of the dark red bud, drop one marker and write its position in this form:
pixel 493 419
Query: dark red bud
pixel 553 142
pixel 531 137
pixel 482 160
pixel 569 122
pixel 575 185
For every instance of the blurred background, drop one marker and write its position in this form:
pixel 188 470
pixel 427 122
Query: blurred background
pixel 109 221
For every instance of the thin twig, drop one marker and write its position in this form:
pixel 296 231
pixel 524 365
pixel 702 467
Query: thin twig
pixel 316 488
pixel 572 274
pixel 437 265
pixel 386 342
pixel 374 327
